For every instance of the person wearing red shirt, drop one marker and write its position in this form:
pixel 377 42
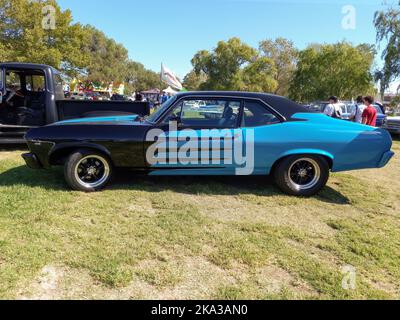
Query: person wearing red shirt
pixel 369 115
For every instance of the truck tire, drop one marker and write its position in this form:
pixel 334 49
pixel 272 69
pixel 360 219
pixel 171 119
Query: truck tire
pixel 87 170
pixel 302 175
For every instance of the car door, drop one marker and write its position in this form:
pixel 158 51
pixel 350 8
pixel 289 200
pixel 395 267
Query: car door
pixel 265 134
pixel 199 138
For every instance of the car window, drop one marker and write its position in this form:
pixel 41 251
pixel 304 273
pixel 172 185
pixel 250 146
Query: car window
pixel 35 83
pixel 218 113
pixel 13 81
pixel 161 110
pixel 255 114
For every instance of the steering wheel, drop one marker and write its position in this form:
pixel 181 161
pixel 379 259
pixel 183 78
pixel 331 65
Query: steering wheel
pixel 19 93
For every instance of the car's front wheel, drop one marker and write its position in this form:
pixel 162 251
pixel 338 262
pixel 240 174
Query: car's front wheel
pixel 302 175
pixel 87 170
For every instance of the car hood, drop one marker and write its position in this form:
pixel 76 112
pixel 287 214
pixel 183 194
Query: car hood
pixel 99 120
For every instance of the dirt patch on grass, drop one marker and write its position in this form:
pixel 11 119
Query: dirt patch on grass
pixel 274 280
pixel 197 279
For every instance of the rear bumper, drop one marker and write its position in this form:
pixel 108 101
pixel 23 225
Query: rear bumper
pixel 32 161
pixel 387 156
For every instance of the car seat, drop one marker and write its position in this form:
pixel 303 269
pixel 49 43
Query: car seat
pixel 228 118
pixel 33 112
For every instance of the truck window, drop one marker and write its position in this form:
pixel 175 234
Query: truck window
pixel 13 81
pixel 59 87
pixel 35 83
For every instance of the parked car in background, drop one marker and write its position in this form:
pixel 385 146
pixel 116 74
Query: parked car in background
pixel 381 118
pixel 78 96
pixel 393 125
pixel 280 138
pixel 349 109
pixel 119 97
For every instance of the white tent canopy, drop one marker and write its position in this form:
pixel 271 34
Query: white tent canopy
pixel 170 91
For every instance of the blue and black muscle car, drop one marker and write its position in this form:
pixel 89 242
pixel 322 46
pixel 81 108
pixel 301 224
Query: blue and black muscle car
pixel 212 133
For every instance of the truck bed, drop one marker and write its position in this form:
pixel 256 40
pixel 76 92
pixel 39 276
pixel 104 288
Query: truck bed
pixel 72 109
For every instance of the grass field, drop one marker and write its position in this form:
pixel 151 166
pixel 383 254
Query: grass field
pixel 199 238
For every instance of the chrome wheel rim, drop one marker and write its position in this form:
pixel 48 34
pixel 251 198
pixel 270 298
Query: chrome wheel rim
pixel 304 174
pixel 92 171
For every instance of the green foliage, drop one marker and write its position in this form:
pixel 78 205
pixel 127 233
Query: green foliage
pixel 79 51
pixel 193 80
pixel 108 59
pixel 232 65
pixel 338 69
pixel 258 76
pixel 395 101
pixel 24 39
pixel 138 78
pixel 284 55
pixel 387 24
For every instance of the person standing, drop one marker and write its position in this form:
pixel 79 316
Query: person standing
pixel 358 111
pixel 333 109
pixel 139 97
pixel 369 115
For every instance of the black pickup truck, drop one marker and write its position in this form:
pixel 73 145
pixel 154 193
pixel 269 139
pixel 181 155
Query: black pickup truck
pixel 31 95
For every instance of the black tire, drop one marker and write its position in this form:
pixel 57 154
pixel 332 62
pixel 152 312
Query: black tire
pixel 289 172
pixel 88 170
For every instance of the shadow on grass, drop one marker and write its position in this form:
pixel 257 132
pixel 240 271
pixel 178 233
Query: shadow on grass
pixel 192 185
pixel 13 147
pixel 396 138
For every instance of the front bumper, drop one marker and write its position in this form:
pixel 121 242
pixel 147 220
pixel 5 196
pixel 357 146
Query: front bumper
pixel 392 129
pixel 32 161
pixel 387 156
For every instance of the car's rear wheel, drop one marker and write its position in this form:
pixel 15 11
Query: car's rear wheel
pixel 87 170
pixel 302 175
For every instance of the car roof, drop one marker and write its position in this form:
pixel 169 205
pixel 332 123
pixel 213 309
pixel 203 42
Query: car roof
pixel 285 107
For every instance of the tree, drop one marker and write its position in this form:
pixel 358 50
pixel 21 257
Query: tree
pixel 259 76
pixel 387 24
pixel 339 69
pixel 233 65
pixel 138 78
pixel 194 81
pixel 40 32
pixel 107 59
pixel 284 55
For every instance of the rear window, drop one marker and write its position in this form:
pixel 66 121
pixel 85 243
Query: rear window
pixel 35 83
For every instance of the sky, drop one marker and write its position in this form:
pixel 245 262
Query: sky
pixel 171 32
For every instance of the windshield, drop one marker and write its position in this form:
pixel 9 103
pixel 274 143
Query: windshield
pixel 164 107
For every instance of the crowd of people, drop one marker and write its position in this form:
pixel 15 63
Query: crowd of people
pixel 363 111
pixel 154 100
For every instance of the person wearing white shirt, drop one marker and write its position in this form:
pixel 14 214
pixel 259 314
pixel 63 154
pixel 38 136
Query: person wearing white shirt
pixel 357 112
pixel 333 109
